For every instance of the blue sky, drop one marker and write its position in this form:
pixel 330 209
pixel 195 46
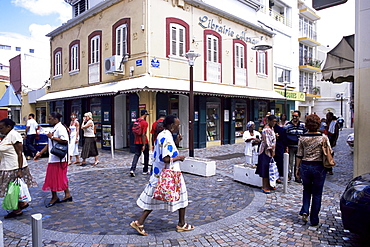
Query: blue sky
pixel 38 17
pixel 17 16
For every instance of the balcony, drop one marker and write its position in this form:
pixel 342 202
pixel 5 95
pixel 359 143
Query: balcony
pixel 309 14
pixel 309 64
pixel 308 37
pixel 308 41
pixel 280 17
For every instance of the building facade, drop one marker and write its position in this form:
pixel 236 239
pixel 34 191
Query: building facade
pixel 117 57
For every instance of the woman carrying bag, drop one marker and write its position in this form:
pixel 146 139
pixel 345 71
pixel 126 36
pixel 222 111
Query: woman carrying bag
pixel 165 153
pixel 13 163
pixel 252 139
pixel 56 173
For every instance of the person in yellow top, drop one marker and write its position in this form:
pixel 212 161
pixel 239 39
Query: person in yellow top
pixel 13 163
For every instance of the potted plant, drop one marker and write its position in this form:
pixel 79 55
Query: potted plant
pixel 315 90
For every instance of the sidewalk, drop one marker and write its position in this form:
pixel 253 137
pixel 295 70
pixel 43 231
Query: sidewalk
pixel 225 212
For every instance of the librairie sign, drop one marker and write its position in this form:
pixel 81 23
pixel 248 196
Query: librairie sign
pixel 210 24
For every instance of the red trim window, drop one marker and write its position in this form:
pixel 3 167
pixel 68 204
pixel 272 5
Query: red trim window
pixel 240 63
pixel 94 56
pixel 213 56
pixel 74 50
pixel 121 37
pixel 262 63
pixel 177 37
pixel 58 62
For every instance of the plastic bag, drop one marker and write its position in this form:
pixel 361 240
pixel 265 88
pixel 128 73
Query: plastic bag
pixel 24 193
pixel 273 172
pixel 10 201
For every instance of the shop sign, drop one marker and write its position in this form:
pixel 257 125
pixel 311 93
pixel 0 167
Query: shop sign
pixel 292 95
pixel 206 23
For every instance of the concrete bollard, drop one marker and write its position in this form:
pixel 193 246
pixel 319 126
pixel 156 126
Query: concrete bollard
pixel 286 168
pixel 36 230
pixel 1 234
pixel 112 146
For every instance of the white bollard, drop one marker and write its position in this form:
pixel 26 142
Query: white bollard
pixel 112 146
pixel 1 234
pixel 36 230
pixel 286 169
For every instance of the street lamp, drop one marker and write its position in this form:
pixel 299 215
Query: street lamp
pixel 261 45
pixel 191 56
pixel 285 103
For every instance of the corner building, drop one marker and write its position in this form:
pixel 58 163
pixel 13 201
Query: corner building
pixel 114 58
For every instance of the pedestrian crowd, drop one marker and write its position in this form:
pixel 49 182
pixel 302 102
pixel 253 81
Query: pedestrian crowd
pixel 166 188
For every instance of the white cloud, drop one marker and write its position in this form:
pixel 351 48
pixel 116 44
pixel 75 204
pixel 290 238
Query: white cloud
pixel 39 31
pixel 47 7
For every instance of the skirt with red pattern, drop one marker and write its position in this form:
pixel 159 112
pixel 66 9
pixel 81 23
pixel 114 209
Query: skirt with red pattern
pixel 56 177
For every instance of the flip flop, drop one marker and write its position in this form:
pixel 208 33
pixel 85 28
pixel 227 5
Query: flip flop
pixel 138 228
pixel 186 227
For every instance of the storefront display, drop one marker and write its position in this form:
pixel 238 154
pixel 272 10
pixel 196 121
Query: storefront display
pixel 213 122
pixel 107 132
pixel 96 115
pixel 240 119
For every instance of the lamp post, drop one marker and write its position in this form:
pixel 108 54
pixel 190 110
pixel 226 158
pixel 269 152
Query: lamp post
pixel 286 103
pixel 191 56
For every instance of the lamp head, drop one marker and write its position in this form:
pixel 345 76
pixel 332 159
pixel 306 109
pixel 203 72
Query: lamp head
pixel 261 46
pixel 191 56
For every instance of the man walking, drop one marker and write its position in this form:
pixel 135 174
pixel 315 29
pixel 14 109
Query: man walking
pixel 141 142
pixel 157 126
pixel 294 129
pixel 31 128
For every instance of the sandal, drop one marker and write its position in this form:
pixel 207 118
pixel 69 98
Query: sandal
pixel 186 227
pixel 138 228
pixel 266 191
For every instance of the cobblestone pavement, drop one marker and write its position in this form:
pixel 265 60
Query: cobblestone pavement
pixel 225 212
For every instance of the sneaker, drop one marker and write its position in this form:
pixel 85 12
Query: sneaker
pixel 132 173
pixel 145 173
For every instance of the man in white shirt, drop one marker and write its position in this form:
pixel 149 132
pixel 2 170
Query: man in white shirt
pixel 31 128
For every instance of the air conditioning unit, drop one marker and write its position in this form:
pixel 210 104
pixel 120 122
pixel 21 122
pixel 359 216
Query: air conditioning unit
pixel 113 64
pixel 338 95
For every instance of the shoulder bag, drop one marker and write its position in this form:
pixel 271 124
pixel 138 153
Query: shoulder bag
pixel 327 155
pixel 169 185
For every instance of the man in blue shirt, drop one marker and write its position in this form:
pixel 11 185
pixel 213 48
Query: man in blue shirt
pixel 294 129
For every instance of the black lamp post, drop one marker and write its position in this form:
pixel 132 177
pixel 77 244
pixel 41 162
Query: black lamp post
pixel 285 103
pixel 191 56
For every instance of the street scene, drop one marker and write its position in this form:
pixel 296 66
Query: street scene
pixel 224 212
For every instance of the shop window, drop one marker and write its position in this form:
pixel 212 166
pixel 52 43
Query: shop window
pixel 41 114
pixel 95 108
pixel 240 119
pixel 262 114
pixel 177 38
pixel 76 108
pixel 213 121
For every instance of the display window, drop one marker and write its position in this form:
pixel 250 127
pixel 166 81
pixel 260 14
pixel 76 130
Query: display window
pixel 213 121
pixel 262 114
pixel 95 108
pixel 240 119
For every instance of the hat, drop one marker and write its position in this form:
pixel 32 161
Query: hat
pixel 144 112
pixel 249 124
pixel 162 113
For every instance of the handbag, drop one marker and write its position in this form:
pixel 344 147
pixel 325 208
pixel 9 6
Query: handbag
pixel 273 172
pixel 11 198
pixel 327 155
pixel 59 149
pixel 24 193
pixel 169 185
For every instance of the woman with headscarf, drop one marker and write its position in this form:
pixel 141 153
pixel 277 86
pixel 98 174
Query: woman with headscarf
pixel 13 163
pixel 165 153
pixel 252 140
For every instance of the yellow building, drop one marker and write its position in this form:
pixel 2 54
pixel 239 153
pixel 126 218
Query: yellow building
pixel 117 57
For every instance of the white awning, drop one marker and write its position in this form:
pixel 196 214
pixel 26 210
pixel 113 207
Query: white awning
pixel 157 84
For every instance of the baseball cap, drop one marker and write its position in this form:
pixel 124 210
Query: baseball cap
pixel 162 113
pixel 144 112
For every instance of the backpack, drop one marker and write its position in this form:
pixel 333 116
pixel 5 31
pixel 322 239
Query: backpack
pixel 136 127
pixel 159 127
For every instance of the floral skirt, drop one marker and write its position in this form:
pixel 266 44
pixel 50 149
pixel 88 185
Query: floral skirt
pixel 56 177
pixel 10 176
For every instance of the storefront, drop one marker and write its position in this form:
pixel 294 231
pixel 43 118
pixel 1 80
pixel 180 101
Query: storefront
pixel 291 98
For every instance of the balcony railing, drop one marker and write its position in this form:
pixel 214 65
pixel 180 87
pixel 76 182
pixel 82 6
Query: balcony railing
pixel 277 16
pixel 303 32
pixel 310 61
